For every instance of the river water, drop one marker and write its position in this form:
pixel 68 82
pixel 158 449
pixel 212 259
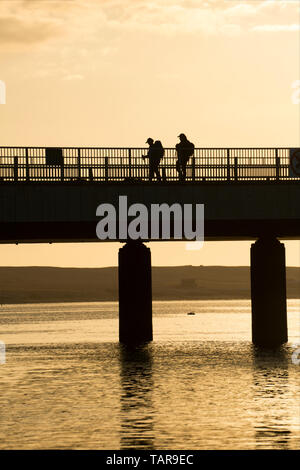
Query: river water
pixel 67 383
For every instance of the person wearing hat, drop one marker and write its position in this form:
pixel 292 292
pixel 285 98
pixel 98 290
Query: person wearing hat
pixel 154 155
pixel 184 150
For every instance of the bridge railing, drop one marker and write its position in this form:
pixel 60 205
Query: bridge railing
pixel 19 164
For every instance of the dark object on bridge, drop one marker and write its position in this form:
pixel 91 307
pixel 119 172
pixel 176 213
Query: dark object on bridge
pixel 135 293
pixel 54 156
pixel 185 149
pixel 191 313
pixel 268 293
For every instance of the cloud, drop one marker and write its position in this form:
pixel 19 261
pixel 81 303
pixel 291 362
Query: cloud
pixel 275 28
pixel 15 30
pixel 191 16
pixel 31 21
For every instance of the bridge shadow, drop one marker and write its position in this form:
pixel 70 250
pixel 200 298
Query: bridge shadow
pixel 271 394
pixel 136 431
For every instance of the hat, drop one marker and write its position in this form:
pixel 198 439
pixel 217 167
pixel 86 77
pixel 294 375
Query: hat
pixel 149 140
pixel 182 135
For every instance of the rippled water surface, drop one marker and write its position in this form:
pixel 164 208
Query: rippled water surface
pixel 200 384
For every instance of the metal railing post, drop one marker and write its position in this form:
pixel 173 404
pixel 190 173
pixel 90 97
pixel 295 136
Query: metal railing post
pixel 16 169
pixel 228 165
pixel 129 162
pixel 79 164
pixel 26 165
pixel 277 165
pixel 106 168
pixel 235 168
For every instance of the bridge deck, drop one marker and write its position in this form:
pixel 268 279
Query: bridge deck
pixel 41 212
pixel 66 164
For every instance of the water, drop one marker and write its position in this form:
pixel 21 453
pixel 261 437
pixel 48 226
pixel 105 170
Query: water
pixel 68 384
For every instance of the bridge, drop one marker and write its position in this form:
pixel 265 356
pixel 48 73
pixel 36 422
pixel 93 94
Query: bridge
pixel 51 195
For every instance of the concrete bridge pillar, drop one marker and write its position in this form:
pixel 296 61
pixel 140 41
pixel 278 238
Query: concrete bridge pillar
pixel 268 292
pixel 135 293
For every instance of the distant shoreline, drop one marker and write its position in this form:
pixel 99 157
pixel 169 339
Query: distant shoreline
pixel 33 285
pixel 115 301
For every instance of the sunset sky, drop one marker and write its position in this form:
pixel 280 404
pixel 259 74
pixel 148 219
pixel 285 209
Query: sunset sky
pixel 114 72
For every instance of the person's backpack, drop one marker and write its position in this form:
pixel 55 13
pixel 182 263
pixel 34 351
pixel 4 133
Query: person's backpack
pixel 190 147
pixel 159 151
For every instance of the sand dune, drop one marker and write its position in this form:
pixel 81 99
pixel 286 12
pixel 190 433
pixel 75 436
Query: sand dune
pixel 47 284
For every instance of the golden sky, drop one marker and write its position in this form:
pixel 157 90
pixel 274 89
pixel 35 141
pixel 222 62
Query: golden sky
pixel 114 72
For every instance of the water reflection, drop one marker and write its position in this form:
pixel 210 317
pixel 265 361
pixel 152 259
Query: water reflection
pixel 271 390
pixel 136 398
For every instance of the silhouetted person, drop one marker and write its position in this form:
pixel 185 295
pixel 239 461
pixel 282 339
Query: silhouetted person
pixel 184 149
pixel 155 153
